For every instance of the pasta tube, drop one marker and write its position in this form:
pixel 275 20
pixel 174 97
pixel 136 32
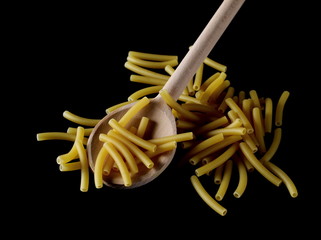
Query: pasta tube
pixel 225 180
pixel 268 115
pixel 241 186
pixel 84 183
pixel 274 146
pixel 230 102
pixel 152 64
pixel 217 161
pixel 132 147
pixel 151 56
pixel 132 137
pixel 120 163
pixel 258 165
pixel 280 107
pixel 207 197
pixel 285 178
pixel 80 120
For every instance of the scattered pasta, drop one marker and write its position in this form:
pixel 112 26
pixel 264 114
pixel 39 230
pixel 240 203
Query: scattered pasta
pixel 218 128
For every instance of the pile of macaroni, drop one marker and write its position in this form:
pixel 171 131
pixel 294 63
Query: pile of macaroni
pixel 218 128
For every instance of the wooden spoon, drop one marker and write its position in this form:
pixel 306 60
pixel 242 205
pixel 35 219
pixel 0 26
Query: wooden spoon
pixel 157 111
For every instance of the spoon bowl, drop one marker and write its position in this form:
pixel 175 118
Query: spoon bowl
pixel 163 122
pixel 155 110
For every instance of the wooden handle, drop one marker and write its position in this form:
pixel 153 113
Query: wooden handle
pixel 202 47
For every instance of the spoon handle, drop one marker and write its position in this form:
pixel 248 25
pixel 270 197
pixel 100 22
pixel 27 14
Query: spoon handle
pixel 202 47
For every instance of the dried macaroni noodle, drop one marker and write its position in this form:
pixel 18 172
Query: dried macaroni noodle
pixel 80 120
pixel 144 92
pixel 268 116
pixel 280 107
pixel 285 178
pixel 120 163
pixel 259 131
pixel 132 137
pixel 151 56
pixel 133 148
pixel 145 72
pixel 217 161
pixel 258 165
pixel 227 173
pixel 152 64
pixel 273 147
pixel 133 111
pixel 241 186
pixel 146 80
pixel 206 196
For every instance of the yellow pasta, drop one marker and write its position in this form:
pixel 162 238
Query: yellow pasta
pixel 99 167
pixel 173 104
pixel 255 99
pixel 280 107
pixel 65 167
pixel 247 106
pixel 80 120
pixel 225 180
pixel 151 56
pixel 207 82
pixel 73 153
pixel 73 130
pixel 217 161
pixel 235 123
pixel 139 105
pixel 185 124
pixel 218 146
pixel 176 137
pixel 120 163
pixel 58 136
pixel 218 66
pixel 152 64
pixel 212 87
pixel 204 144
pixel 218 174
pixel 232 115
pixel 147 80
pixel 237 109
pixel 188 99
pixel 132 147
pixel 243 178
pixel 229 94
pixel 198 107
pixel 144 92
pixel 258 165
pixel 84 184
pixel 124 151
pixel 259 131
pixel 165 147
pixel 241 98
pixel 132 137
pixel 212 125
pixel 228 131
pixel 207 197
pixel 218 92
pixel 189 87
pixel 268 116
pixel 249 141
pixel 198 78
pixel 145 72
pixel 273 147
pixel 142 127
pixel 285 178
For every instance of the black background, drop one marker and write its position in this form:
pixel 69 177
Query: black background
pixel 71 57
